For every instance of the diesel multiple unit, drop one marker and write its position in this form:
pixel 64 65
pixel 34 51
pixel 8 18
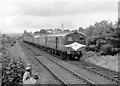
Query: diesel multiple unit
pixel 67 45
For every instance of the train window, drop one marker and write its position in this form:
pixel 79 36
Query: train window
pixel 81 38
pixel 70 39
pixel 78 38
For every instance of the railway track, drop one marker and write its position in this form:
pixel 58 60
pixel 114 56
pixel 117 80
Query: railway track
pixel 63 74
pixel 107 73
pixel 66 75
pixel 107 81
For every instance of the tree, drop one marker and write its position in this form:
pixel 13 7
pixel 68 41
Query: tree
pixel 106 38
pixel 43 31
pixel 25 31
pixel 66 30
pixel 80 29
pixel 89 31
pixel 103 28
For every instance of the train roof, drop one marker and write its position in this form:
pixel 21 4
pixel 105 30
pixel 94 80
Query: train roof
pixel 56 34
pixel 59 34
pixel 64 34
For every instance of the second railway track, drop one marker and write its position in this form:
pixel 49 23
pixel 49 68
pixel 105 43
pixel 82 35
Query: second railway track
pixel 84 80
pixel 107 73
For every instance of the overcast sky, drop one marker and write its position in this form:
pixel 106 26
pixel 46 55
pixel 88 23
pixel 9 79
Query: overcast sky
pixel 32 15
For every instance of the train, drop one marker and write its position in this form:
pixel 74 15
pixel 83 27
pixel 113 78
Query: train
pixel 68 46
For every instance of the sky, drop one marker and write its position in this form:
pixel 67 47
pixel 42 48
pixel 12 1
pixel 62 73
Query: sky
pixel 33 15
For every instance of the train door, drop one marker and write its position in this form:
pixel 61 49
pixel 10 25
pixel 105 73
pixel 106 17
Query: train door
pixel 46 41
pixel 56 42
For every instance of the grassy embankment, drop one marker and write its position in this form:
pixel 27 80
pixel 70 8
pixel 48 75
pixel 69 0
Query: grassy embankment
pixel 107 61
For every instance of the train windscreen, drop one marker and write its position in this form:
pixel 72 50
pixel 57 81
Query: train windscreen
pixel 75 37
pixel 78 37
pixel 70 39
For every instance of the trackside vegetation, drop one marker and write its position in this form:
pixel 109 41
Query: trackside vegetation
pixel 103 38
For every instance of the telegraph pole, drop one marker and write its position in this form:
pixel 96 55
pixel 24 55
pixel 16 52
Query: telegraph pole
pixel 62 26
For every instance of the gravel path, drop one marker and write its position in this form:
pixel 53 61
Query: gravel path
pixel 16 52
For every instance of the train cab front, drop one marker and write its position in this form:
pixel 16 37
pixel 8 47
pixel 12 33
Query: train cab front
pixel 75 43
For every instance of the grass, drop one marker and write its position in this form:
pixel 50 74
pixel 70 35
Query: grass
pixel 107 61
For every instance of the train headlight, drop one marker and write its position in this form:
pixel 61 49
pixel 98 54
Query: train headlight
pixel 76 57
pixel 68 52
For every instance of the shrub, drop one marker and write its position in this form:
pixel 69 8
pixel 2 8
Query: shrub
pixel 91 41
pixel 106 49
pixel 115 51
pixel 12 71
pixel 94 43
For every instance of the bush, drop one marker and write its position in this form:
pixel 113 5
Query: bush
pixel 12 72
pixel 113 41
pixel 94 43
pixel 104 45
pixel 91 41
pixel 115 50
pixel 106 49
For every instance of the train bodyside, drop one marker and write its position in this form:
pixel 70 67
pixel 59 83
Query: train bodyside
pixel 60 43
pixel 35 39
pixel 42 41
pixel 55 41
pixel 28 39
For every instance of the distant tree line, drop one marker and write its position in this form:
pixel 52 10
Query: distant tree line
pixel 7 39
pixel 49 31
